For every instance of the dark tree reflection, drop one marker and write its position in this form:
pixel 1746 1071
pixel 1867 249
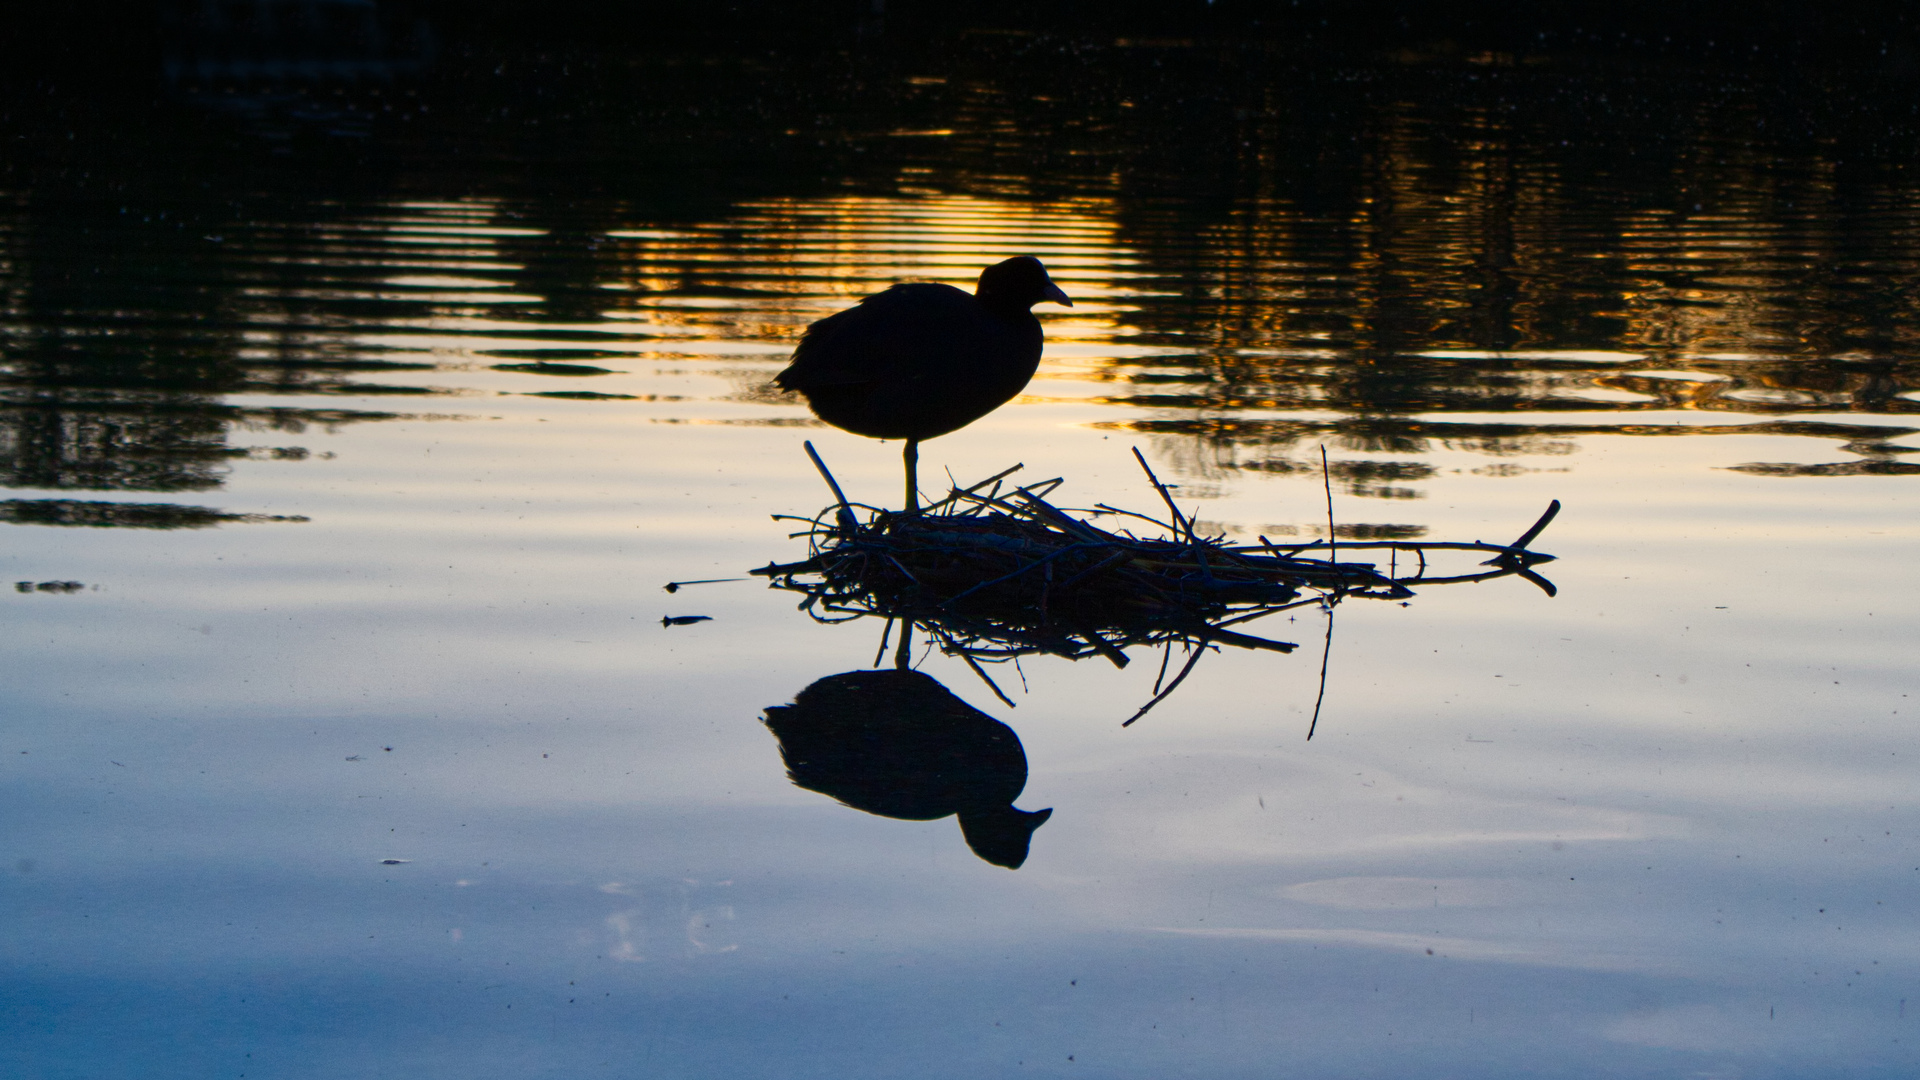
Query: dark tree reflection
pixel 1385 236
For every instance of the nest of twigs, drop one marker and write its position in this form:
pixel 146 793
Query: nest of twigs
pixel 995 572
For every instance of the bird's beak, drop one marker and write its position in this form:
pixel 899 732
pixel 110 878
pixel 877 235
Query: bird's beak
pixel 1054 294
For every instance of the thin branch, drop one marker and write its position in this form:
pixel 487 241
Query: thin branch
pixel 1518 547
pixel 1198 651
pixel 1166 654
pixel 845 516
pixel 985 678
pixel 958 492
pixel 1179 519
pixel 1325 652
pixel 1326 478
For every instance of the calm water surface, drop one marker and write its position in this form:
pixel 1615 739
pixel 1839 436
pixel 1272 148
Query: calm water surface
pixel 349 439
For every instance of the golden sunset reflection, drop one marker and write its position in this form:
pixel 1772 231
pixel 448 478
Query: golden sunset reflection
pixel 780 264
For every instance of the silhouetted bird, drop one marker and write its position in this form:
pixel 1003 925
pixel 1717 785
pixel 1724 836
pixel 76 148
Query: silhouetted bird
pixel 898 744
pixel 923 359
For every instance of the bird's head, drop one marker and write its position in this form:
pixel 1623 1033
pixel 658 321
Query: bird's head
pixel 1018 282
pixel 1002 835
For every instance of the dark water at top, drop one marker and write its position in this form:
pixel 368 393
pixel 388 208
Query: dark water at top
pixel 1405 248
pixel 370 416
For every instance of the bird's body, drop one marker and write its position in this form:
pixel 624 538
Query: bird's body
pixel 906 363
pixel 920 360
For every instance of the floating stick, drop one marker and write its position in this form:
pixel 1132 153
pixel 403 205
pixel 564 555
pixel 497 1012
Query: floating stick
pixel 674 586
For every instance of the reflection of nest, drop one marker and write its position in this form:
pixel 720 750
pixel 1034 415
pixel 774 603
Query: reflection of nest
pixel 996 573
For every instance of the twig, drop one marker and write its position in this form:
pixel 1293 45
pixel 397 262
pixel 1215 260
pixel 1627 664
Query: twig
pixel 1045 487
pixel 1326 478
pixel 1244 641
pixel 1042 509
pixel 674 586
pixel 1263 612
pixel 1545 585
pixel 1520 545
pixel 1198 650
pixel 845 515
pixel 1179 519
pixel 1326 650
pixel 1103 647
pixel 958 492
pixel 1142 517
pixel 985 678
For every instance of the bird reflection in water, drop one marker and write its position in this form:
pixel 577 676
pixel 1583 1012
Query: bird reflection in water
pixel 898 744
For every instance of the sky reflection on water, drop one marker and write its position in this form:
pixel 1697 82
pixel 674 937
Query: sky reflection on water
pixel 1659 823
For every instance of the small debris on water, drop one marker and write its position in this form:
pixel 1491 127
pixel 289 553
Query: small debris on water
pixel 394 862
pixel 48 586
pixel 353 757
pixel 674 586
pixel 684 620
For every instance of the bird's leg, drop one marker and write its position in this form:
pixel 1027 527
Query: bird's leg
pixel 912 456
pixel 903 655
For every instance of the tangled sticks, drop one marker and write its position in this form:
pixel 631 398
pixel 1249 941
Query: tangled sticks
pixel 994 573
